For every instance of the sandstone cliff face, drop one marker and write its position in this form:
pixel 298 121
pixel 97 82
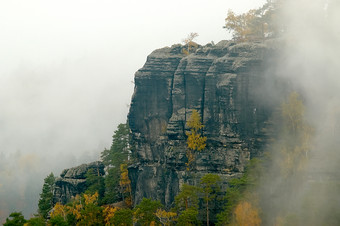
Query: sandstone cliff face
pixel 72 181
pixel 227 84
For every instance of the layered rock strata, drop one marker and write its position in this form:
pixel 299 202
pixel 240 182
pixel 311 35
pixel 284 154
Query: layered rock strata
pixel 72 181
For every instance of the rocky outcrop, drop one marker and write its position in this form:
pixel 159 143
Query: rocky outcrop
pixel 228 85
pixel 72 181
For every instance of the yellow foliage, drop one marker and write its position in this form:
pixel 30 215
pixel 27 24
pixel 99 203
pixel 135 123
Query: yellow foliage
pixel 279 221
pixel 194 122
pixel 298 136
pixel 246 215
pixel 75 207
pixel 293 112
pixel 165 217
pixel 59 210
pixel 109 213
pixel 191 159
pixel 125 184
pixel 191 45
pixel 245 26
pixel 89 199
pixel 195 141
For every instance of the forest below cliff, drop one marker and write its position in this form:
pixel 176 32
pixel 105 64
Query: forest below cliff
pixel 224 134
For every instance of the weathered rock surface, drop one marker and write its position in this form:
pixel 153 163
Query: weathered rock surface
pixel 228 85
pixel 73 181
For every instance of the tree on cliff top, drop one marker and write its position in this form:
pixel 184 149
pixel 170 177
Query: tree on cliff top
pixel 256 23
pixel 191 45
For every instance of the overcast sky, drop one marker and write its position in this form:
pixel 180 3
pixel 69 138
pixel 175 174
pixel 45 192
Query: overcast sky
pixel 66 72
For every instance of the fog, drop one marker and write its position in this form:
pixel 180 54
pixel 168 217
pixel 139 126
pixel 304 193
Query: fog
pixel 66 78
pixel 309 61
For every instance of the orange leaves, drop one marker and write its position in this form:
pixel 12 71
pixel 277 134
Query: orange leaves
pixel 246 215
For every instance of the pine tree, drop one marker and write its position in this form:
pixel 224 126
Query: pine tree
pixel 113 158
pixel 46 197
pixel 210 186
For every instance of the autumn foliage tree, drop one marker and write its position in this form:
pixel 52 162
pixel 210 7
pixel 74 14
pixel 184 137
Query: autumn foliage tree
pixel 165 217
pixel 195 140
pixel 254 24
pixel 125 185
pixel 145 212
pixel 297 135
pixel 81 211
pixel 246 215
pixel 189 43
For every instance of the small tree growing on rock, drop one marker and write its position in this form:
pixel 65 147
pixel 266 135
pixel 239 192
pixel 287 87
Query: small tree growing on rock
pixel 190 44
pixel 195 141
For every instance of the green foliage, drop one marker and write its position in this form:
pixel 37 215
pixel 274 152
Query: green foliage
pixel 187 198
pixel 58 221
pixel 112 189
pixel 119 151
pixel 46 197
pixel 186 205
pixel 95 183
pixel 188 217
pixel 145 211
pixel 112 158
pixel 238 190
pixel 210 187
pixel 36 221
pixel 123 217
pixel 15 219
pixel 91 215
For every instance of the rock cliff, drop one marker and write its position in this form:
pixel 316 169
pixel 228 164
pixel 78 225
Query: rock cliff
pixel 72 181
pixel 228 85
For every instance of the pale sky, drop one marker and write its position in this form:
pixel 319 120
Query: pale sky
pixel 66 77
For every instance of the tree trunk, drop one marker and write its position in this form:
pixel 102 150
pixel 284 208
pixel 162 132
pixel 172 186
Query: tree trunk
pixel 207 212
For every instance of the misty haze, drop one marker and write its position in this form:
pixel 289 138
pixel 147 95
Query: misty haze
pixel 170 113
